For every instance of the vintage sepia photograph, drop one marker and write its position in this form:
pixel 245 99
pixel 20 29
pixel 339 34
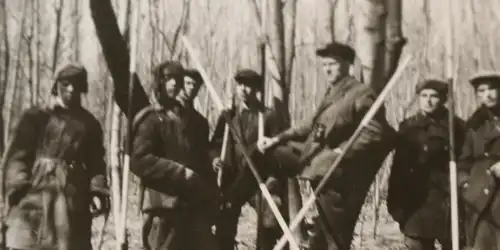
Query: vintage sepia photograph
pixel 249 124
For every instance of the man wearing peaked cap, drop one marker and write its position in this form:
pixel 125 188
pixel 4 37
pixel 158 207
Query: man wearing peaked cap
pixel 479 168
pixel 53 169
pixel 491 77
pixel 337 50
pixel 441 87
pixel 238 183
pixel 249 77
pixel 418 195
pixel 324 136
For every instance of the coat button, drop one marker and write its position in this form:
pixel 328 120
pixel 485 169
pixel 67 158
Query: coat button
pixel 426 148
pixel 486 191
pixel 487 154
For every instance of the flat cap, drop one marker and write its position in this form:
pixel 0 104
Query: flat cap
pixel 485 76
pixel 439 85
pixel 337 50
pixel 168 70
pixel 72 72
pixel 249 77
pixel 194 74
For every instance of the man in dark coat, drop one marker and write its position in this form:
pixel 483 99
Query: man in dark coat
pixel 343 107
pixel 170 155
pixel 54 166
pixel 238 183
pixel 479 167
pixel 419 198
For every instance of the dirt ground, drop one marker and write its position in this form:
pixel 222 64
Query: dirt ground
pixel 387 237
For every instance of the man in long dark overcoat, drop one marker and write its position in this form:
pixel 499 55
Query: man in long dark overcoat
pixel 238 183
pixel 419 197
pixel 54 166
pixel 479 167
pixel 170 155
pixel 344 105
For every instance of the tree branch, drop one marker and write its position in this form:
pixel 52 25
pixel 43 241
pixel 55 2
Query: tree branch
pixel 117 56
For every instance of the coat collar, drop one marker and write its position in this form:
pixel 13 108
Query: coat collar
pixel 486 123
pixel 440 117
pixel 481 116
pixel 334 92
pixel 254 107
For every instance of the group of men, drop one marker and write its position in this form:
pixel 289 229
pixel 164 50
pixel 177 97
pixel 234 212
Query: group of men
pixel 54 168
pixel 419 189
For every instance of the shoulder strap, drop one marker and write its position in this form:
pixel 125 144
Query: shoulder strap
pixel 139 117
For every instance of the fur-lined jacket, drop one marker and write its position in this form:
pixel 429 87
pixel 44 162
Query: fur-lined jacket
pixel 52 168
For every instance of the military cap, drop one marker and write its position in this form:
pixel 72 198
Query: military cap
pixel 73 72
pixel 337 50
pixel 435 84
pixel 485 76
pixel 249 77
pixel 194 74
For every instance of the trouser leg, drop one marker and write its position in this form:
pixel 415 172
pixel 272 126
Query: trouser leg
pixel 335 227
pixel 187 230
pixel 196 232
pixel 271 231
pixel 418 243
pixel 289 158
pixel 160 230
pixel 487 236
pixel 226 227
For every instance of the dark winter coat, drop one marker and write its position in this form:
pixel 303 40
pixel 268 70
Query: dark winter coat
pixel 337 117
pixel 245 122
pixel 419 197
pixel 481 151
pixel 339 114
pixel 54 162
pixel 165 143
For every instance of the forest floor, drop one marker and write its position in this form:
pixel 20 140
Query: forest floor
pixel 387 237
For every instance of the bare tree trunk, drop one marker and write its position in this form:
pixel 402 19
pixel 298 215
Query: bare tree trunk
pixel 153 24
pixel 282 43
pixel 5 79
pixel 31 60
pixel 57 37
pixel 394 38
pixel 116 54
pixel 35 48
pixel 76 35
pixel 181 29
pixel 10 92
pixel 333 6
pixel 379 43
pixel 370 40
